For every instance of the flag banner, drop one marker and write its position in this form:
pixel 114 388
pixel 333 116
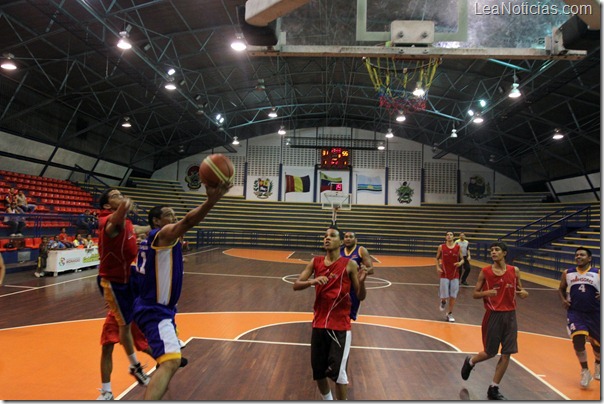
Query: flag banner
pixel 370 184
pixel 297 184
pixel 330 183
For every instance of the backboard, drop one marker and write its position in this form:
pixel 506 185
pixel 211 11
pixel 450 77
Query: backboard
pixel 338 200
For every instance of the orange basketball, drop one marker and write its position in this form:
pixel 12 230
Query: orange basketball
pixel 216 168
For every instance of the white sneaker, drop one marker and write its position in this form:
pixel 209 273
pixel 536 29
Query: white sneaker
pixel 105 395
pixel 597 371
pixel 450 318
pixel 442 305
pixel 585 378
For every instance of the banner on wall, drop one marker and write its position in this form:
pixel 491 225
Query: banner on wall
pixel 369 184
pixel 263 188
pixel 330 183
pixel 476 187
pixel 297 184
pixel 192 177
pixel 404 193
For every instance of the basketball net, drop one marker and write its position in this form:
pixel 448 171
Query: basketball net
pixel 395 85
pixel 334 214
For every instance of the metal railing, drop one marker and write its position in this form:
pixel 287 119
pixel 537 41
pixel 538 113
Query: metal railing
pixel 550 227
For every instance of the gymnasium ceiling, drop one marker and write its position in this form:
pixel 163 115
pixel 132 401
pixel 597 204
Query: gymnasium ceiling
pixel 74 87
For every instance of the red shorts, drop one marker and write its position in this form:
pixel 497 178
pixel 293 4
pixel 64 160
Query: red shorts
pixel 111 333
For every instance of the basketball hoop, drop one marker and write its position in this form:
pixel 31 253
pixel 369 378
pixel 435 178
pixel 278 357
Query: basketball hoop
pixel 397 86
pixel 335 201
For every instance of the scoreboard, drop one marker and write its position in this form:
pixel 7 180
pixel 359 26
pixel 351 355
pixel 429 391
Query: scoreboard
pixel 335 158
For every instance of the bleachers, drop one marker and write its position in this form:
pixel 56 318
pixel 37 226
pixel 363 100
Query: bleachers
pixel 57 204
pixel 382 229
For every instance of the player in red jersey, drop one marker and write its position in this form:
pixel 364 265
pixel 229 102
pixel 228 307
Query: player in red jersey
pixel 117 250
pixel 497 285
pixel 331 337
pixel 448 261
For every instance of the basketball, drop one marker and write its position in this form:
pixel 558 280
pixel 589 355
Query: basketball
pixel 215 169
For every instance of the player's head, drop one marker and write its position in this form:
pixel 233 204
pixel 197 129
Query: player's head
pixel 332 239
pixel 159 216
pixel 462 236
pixel 587 250
pixel 350 239
pixel 105 200
pixel 498 250
pixel 449 236
pixel 582 256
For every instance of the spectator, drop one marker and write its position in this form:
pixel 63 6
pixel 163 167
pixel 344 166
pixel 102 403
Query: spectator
pixel 63 236
pixel 54 244
pixel 16 224
pixel 42 257
pixel 79 241
pixel 90 242
pixel 86 222
pixel 22 203
pixel 11 196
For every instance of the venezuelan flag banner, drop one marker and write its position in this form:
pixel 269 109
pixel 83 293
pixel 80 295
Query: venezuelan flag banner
pixel 297 184
pixel 328 182
pixel 370 184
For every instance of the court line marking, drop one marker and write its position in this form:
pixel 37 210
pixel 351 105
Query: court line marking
pixel 369 280
pixel 19 286
pixel 360 322
pixel 457 351
pixel 308 344
pixel 201 252
pixel 540 378
pixel 33 288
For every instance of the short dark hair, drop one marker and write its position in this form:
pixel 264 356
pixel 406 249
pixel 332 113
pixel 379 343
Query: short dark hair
pixel 334 227
pixel 500 244
pixel 154 212
pixel 587 250
pixel 104 197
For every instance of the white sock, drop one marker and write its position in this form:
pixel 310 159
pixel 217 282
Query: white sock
pixel 470 362
pixel 494 385
pixel 132 359
pixel 327 396
pixel 106 386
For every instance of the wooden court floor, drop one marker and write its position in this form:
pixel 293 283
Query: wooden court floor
pixel 248 335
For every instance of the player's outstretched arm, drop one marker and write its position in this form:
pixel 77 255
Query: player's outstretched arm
pixel 172 232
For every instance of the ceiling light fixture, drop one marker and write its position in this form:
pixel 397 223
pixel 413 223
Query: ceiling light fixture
pixel 238 44
pixel 273 113
pixel 389 133
pixel 126 123
pixel 7 63
pixel 478 118
pixel 124 42
pixel 419 91
pixel 400 117
pixel 515 92
pixel 557 134
pixel 281 130
pixel 453 133
pixel 381 146
pixel 219 118
pixel 260 86
pixel 235 140
pixel 170 84
pixel 171 71
pixel 482 103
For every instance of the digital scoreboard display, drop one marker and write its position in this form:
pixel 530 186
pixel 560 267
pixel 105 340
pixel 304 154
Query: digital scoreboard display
pixel 335 158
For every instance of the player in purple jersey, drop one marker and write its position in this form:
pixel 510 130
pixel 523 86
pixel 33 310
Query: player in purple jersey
pixel 580 293
pixel 360 255
pixel 155 308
